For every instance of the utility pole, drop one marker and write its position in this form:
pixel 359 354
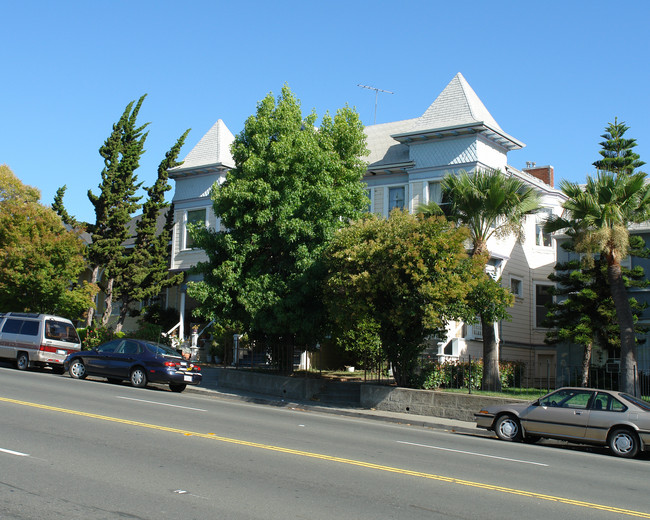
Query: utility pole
pixel 377 91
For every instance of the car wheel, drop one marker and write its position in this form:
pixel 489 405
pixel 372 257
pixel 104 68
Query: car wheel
pixel 138 377
pixel 177 388
pixel 22 361
pixel 78 369
pixel 507 428
pixel 623 443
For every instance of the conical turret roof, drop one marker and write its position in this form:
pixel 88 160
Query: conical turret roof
pixel 456 105
pixel 212 149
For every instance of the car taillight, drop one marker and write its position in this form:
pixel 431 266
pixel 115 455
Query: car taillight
pixel 48 348
pixel 170 364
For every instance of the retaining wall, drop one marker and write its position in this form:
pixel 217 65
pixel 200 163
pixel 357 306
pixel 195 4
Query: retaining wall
pixel 393 399
pixel 426 402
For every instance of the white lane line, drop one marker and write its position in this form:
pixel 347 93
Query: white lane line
pixel 162 404
pixel 475 454
pixel 17 453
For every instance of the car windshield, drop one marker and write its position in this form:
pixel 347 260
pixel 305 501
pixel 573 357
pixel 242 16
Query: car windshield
pixel 644 405
pixel 162 350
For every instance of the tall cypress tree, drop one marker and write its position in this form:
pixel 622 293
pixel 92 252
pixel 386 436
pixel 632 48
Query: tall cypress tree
pixel 147 270
pixel 116 201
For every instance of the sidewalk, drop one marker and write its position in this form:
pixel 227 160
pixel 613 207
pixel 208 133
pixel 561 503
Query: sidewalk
pixel 209 386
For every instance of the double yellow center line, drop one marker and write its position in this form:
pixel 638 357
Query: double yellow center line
pixel 340 460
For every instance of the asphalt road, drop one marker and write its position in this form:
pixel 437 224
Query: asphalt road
pixel 89 449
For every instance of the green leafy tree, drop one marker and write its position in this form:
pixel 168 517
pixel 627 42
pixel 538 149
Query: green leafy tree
pixel 584 312
pixel 490 204
pixel 116 202
pixel 40 260
pixel 617 151
pixel 146 272
pixel 13 190
pixel 293 186
pixel 597 218
pixel 401 280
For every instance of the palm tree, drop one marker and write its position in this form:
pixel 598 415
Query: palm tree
pixel 597 218
pixel 490 204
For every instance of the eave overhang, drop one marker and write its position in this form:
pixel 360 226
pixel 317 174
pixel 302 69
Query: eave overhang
pixel 388 169
pixel 204 169
pixel 501 138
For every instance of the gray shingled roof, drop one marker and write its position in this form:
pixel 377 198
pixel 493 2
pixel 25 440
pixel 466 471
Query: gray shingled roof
pixel 212 149
pixel 456 106
pixel 383 148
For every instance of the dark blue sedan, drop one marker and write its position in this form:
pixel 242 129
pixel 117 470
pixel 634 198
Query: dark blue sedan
pixel 135 360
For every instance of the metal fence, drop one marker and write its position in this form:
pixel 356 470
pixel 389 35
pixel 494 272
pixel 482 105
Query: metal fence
pixel 526 377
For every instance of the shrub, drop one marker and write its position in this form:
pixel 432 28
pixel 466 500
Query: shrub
pixel 462 374
pixel 93 336
pixel 151 332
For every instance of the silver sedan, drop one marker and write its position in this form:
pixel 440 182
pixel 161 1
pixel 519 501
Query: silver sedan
pixel 578 415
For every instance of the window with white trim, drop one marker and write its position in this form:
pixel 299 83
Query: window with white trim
pixel 542 238
pixel 192 217
pixel 435 192
pixel 396 198
pixel 517 287
pixel 542 299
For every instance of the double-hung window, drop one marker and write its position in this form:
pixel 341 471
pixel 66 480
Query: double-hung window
pixel 542 299
pixel 193 218
pixel 542 238
pixel 396 198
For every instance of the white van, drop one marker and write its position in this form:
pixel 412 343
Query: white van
pixel 37 339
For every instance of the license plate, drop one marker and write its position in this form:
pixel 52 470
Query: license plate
pixel 187 378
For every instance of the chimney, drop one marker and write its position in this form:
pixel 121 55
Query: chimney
pixel 543 173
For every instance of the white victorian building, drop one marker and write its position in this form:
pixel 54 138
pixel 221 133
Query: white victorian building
pixel 406 164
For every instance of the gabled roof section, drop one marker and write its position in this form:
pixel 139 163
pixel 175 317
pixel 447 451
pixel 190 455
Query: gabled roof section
pixel 212 150
pixel 456 105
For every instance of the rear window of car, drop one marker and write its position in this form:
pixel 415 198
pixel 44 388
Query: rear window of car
pixel 644 405
pixel 160 349
pixel 30 328
pixel 61 331
pixel 12 326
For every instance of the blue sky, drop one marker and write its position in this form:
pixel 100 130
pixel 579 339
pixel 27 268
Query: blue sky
pixel 552 73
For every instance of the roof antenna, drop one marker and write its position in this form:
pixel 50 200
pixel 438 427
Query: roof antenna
pixel 377 91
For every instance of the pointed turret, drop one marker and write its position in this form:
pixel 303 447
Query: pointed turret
pixel 212 150
pixel 456 105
